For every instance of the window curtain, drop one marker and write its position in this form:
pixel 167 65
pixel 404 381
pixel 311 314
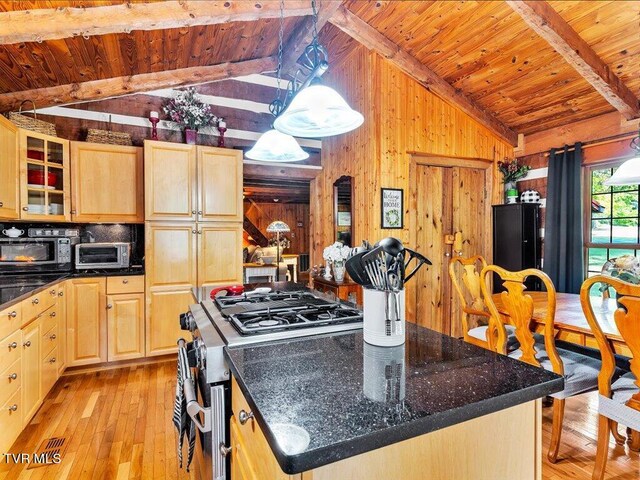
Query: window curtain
pixel 563 244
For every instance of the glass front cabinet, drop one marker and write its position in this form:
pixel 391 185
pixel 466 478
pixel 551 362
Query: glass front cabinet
pixel 44 177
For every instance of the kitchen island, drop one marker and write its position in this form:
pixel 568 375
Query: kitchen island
pixel 332 406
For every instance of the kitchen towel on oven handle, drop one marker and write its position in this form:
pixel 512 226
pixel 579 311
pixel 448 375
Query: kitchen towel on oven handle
pixel 181 419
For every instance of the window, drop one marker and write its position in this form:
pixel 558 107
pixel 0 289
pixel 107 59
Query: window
pixel 612 220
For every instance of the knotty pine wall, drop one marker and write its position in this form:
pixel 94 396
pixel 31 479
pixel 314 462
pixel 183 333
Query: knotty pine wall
pixel 401 116
pixel 262 214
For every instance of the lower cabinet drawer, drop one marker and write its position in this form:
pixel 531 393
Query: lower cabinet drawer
pixel 38 303
pixel 10 348
pixel 10 320
pixel 49 341
pixel 10 422
pixel 49 373
pixel 10 380
pixel 125 284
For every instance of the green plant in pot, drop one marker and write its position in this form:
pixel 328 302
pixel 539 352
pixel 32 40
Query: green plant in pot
pixel 512 171
pixel 625 268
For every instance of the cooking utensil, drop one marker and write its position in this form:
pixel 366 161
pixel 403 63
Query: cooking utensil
pixel 356 270
pixel 391 245
pixel 421 259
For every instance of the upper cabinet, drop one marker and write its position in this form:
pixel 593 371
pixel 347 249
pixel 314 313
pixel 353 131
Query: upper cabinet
pixel 107 183
pixel 44 177
pixel 170 181
pixel 219 185
pixel 9 188
pixel 192 183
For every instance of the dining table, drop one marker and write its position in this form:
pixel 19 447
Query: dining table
pixel 570 322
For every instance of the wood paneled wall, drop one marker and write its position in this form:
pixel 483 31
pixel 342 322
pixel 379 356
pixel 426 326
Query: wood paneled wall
pixel 262 214
pixel 401 117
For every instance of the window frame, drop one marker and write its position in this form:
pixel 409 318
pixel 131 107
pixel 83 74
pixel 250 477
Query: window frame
pixel 587 215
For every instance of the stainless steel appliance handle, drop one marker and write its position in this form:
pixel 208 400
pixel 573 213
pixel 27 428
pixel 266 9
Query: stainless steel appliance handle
pixel 194 409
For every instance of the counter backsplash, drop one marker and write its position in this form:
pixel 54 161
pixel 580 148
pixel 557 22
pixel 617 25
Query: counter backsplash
pixel 89 232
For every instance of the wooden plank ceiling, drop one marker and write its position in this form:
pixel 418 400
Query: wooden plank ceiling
pixel 483 49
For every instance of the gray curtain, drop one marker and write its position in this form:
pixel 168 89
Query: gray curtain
pixel 563 246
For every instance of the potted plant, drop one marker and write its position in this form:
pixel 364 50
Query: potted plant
pixel 511 173
pixel 337 255
pixel 190 112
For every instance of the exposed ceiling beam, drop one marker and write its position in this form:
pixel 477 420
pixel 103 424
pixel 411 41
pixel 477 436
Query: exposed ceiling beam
pixel 37 25
pixel 143 82
pixel 371 38
pixel 303 35
pixel 548 23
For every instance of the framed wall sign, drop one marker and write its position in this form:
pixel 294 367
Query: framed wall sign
pixel 392 208
pixel 344 219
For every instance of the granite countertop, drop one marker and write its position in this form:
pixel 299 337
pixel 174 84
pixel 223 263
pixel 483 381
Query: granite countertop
pixel 350 397
pixel 17 287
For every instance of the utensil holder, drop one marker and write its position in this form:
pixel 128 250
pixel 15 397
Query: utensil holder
pixel 375 309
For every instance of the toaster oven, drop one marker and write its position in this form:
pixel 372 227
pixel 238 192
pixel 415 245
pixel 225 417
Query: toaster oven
pixel 102 255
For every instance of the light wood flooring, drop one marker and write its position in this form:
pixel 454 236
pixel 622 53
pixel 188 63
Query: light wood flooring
pixel 118 423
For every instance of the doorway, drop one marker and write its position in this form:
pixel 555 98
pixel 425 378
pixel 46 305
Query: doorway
pixel 451 195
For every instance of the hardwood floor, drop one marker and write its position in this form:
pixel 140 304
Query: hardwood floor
pixel 118 425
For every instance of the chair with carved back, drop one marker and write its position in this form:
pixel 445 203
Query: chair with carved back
pixel 579 371
pixel 619 400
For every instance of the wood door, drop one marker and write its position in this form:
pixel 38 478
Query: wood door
pixel 448 200
pixel 169 181
pixel 219 185
pixel 170 255
pixel 107 183
pixel 219 254
pixel 9 172
pixel 31 371
pixel 86 321
pixel 163 311
pixel 125 319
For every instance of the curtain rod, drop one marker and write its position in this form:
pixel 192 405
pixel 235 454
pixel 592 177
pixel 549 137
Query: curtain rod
pixel 595 143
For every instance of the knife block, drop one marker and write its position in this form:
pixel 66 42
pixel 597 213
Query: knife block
pixel 374 322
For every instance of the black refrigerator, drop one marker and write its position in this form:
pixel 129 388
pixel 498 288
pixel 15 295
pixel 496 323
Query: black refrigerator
pixel 516 239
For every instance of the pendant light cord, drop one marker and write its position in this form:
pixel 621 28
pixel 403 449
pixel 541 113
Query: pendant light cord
pixel 314 13
pixel 276 106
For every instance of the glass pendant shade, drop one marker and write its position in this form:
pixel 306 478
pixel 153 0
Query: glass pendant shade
pixel 318 111
pixel 274 146
pixel 627 174
pixel 278 227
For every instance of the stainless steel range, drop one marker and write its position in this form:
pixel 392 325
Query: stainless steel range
pixel 259 316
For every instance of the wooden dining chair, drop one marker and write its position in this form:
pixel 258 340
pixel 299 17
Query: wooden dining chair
pixel 580 372
pixel 618 401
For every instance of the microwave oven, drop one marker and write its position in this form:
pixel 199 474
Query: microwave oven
pixel 102 255
pixel 35 254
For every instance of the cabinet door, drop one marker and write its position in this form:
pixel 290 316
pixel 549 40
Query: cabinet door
pixel 107 183
pixel 169 181
pixel 163 319
pixel 9 191
pixel 62 327
pixel 125 318
pixel 219 184
pixel 219 254
pixel 86 321
pixel 170 254
pixel 31 370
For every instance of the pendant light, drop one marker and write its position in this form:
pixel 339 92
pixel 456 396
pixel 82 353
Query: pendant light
pixel 315 109
pixel 275 146
pixel 629 172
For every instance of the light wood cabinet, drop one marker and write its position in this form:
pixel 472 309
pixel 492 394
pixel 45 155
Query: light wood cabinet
pixel 9 188
pixel 10 364
pixel 86 321
pixel 219 253
pixel 62 327
pixel 125 320
pixel 31 388
pixel 170 254
pixel 11 420
pixel 107 183
pixel 10 319
pixel 219 185
pixel 44 177
pixel 163 311
pixel 169 181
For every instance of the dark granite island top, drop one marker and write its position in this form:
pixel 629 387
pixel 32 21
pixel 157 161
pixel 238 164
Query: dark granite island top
pixel 351 397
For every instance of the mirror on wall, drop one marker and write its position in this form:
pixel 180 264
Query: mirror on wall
pixel 343 209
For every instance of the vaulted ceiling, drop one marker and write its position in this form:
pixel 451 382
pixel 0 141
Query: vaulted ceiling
pixel 491 57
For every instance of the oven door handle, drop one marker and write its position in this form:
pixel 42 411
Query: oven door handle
pixel 194 409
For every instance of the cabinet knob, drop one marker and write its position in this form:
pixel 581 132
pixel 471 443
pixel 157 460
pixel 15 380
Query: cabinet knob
pixel 27 343
pixel 244 417
pixel 73 212
pixel 199 232
pixel 125 281
pixel 52 360
pixel 13 314
pixel 194 231
pixel 193 212
pixel 13 345
pixel 13 408
pixel 61 293
pixel 13 376
pixel 447 254
pixel 26 209
pixel 1 204
pixel 224 450
pixel 109 306
pixel 52 336
pixel 199 212
pixel 52 314
pixel 35 301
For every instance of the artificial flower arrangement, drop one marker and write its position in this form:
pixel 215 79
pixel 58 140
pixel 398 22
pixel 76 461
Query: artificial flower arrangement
pixel 188 110
pixel 336 253
pixel 512 171
pixel 624 267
